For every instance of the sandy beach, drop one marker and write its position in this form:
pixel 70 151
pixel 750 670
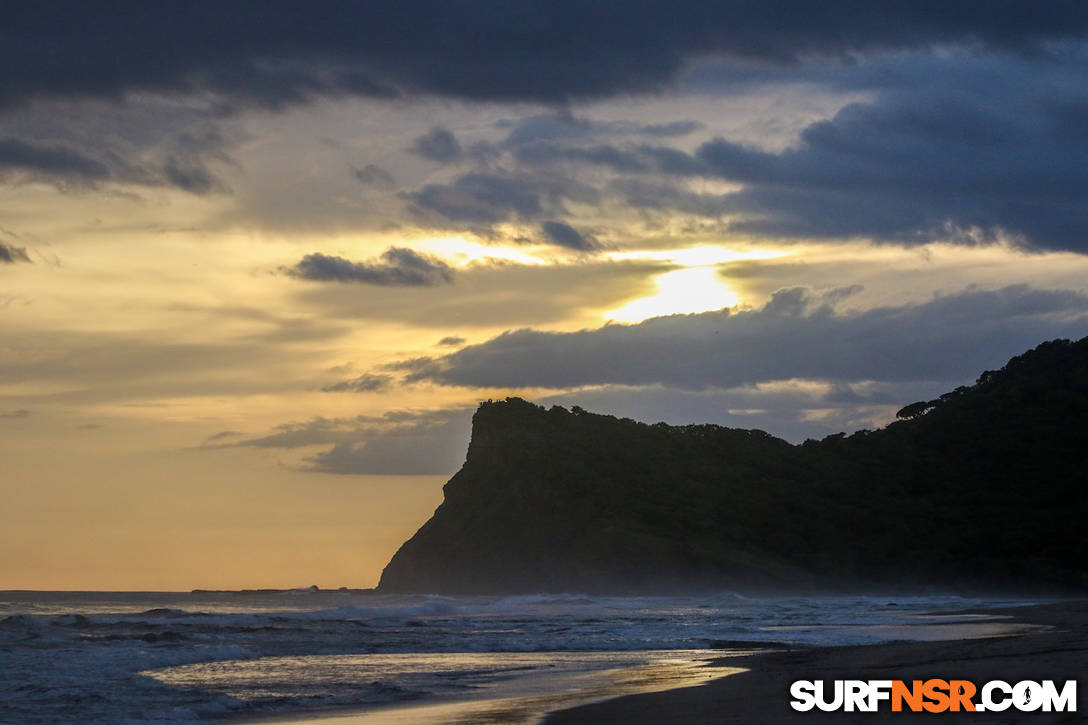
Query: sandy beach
pixel 1056 650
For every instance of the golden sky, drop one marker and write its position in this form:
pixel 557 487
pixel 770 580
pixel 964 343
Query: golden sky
pixel 241 337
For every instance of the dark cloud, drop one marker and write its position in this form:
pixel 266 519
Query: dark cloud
pixel 672 128
pixel 397 443
pixel 565 126
pixel 191 177
pixel 673 161
pixel 438 145
pixel 222 435
pixel 141 146
pixel 282 52
pixel 10 254
pixel 665 196
pixel 59 161
pixel 542 153
pixel 624 159
pixel 972 151
pixel 562 137
pixel 20 413
pixel 923 165
pixel 397 266
pixel 564 235
pixel 480 198
pixel 366 383
pixel 795 335
pixel 965 67
pixel 451 341
pixel 492 197
pixel 371 175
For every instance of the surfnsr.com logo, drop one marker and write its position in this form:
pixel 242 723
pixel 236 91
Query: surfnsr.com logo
pixel 933 696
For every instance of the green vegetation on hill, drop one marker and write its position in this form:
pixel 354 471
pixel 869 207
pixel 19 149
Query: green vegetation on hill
pixel 984 486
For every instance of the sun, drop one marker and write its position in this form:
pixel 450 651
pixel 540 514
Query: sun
pixel 695 289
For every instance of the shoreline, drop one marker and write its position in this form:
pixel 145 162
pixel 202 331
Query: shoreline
pixel 1053 645
pixel 751 683
pixel 527 702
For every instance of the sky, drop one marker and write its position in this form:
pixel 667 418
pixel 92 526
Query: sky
pixel 260 262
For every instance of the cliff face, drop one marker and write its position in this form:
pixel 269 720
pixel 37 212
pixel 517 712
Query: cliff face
pixel 985 485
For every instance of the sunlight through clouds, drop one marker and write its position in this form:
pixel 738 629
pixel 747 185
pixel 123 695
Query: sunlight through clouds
pixel 700 256
pixel 682 291
pixel 697 287
pixel 462 252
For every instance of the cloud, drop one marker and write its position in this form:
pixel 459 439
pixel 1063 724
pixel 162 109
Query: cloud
pixel 278 54
pixel 933 163
pixel 10 254
pixel 565 126
pixel 564 235
pixel 18 156
pixel 671 128
pixel 397 443
pixel 480 198
pixel 222 435
pixel 87 145
pixel 664 196
pixel 438 145
pixel 451 341
pixel 190 176
pixel 796 335
pixel 489 197
pixel 544 153
pixel 20 413
pixel 371 175
pixel 564 138
pixel 397 266
pixel 367 383
pixel 954 148
pixel 626 159
pixel 891 168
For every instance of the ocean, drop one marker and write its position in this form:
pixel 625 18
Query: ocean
pixel 139 657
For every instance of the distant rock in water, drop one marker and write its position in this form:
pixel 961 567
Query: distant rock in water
pixel 985 486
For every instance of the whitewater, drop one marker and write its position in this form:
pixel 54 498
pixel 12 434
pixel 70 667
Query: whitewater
pixel 113 657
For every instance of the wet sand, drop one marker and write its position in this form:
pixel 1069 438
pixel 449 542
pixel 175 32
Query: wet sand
pixel 1039 642
pixel 1053 647
pixel 523 702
